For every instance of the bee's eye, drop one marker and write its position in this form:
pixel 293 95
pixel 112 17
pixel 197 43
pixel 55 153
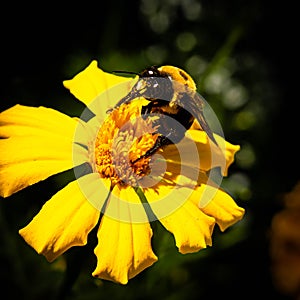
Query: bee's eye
pixel 150 72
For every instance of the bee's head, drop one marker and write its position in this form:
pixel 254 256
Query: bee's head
pixel 152 71
pixel 178 75
pixel 154 84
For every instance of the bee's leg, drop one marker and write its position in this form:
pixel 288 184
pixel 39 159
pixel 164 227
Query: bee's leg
pixel 146 110
pixel 160 142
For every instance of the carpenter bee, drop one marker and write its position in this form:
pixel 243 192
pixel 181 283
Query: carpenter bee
pixel 172 95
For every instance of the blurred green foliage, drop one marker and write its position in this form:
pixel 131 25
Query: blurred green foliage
pixel 225 46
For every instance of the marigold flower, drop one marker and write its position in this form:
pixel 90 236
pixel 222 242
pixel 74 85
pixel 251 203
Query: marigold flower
pixel 173 186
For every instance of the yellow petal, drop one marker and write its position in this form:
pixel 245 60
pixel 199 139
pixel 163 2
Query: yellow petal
pixel 64 221
pixel 124 248
pixel 91 82
pixel 220 205
pixel 191 228
pixel 210 156
pixel 83 140
pixel 22 120
pixel 30 159
pixel 37 144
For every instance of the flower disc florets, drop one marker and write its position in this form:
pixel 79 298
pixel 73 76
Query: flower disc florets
pixel 122 139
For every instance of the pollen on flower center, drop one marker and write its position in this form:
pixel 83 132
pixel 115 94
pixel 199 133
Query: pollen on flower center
pixel 123 138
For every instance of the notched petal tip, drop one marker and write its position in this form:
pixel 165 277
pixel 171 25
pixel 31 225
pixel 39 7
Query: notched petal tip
pixel 210 155
pixel 224 209
pixel 51 251
pixel 230 153
pixel 235 216
pixel 63 222
pixel 109 272
pixel 192 229
pixel 204 240
pixel 124 254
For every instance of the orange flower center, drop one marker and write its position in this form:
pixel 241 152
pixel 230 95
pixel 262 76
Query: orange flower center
pixel 122 139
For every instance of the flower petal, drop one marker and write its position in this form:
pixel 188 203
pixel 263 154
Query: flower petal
pixel 210 156
pixel 30 159
pixel 64 221
pixel 22 120
pixel 191 228
pixel 210 152
pixel 91 82
pixel 221 206
pixel 37 144
pixel 124 248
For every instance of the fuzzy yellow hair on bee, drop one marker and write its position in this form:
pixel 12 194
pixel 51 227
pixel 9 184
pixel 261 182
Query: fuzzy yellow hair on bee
pixel 179 75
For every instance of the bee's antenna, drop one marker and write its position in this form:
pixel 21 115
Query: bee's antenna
pixel 125 72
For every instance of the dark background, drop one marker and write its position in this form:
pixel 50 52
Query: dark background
pixel 253 41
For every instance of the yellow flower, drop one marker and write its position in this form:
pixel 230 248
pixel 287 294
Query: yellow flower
pixel 173 186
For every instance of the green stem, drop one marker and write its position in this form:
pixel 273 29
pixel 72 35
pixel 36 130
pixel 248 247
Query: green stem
pixel 147 207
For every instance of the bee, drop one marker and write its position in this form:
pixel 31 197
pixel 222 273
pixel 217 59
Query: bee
pixel 172 95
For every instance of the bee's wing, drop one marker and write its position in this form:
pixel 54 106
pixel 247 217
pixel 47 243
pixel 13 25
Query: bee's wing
pixel 194 103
